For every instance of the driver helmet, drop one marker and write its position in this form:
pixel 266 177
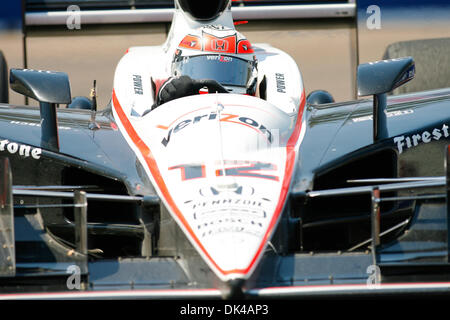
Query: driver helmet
pixel 218 53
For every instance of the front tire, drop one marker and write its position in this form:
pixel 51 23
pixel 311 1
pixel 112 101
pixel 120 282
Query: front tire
pixel 4 94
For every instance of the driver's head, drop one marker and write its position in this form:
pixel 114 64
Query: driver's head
pixel 220 54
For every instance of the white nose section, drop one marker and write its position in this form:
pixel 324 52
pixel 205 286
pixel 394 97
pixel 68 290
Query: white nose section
pixel 231 228
pixel 224 176
pixel 229 218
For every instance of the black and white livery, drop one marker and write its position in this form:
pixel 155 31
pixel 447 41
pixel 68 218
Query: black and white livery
pixel 244 187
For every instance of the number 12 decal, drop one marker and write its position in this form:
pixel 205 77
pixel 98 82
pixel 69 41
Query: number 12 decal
pixel 252 170
pixel 190 171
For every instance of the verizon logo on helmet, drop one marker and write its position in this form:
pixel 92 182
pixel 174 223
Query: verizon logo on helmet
pixel 220 58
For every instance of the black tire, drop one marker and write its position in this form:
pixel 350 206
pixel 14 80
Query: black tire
pixel 4 87
pixel 432 58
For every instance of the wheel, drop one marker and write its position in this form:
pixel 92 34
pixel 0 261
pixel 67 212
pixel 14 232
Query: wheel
pixel 80 103
pixel 432 58
pixel 4 87
pixel 319 97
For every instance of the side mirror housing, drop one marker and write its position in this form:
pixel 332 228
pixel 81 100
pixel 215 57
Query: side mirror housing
pixel 43 86
pixel 50 89
pixel 384 76
pixel 377 79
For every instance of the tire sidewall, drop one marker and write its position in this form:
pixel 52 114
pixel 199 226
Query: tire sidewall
pixel 4 94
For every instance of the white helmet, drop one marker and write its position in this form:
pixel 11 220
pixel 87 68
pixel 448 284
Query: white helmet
pixel 217 53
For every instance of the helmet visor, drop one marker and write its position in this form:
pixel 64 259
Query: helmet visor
pixel 226 70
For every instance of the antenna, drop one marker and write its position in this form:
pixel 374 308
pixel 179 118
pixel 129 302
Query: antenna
pixel 94 96
pixel 93 125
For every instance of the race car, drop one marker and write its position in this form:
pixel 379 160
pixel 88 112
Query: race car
pixel 244 187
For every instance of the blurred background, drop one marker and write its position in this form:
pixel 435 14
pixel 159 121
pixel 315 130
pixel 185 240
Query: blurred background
pixel 328 39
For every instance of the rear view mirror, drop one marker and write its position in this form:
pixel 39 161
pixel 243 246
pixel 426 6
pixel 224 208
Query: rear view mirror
pixel 377 79
pixel 43 86
pixel 384 76
pixel 50 89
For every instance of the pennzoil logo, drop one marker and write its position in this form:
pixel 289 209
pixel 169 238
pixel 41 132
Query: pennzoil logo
pixel 225 117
